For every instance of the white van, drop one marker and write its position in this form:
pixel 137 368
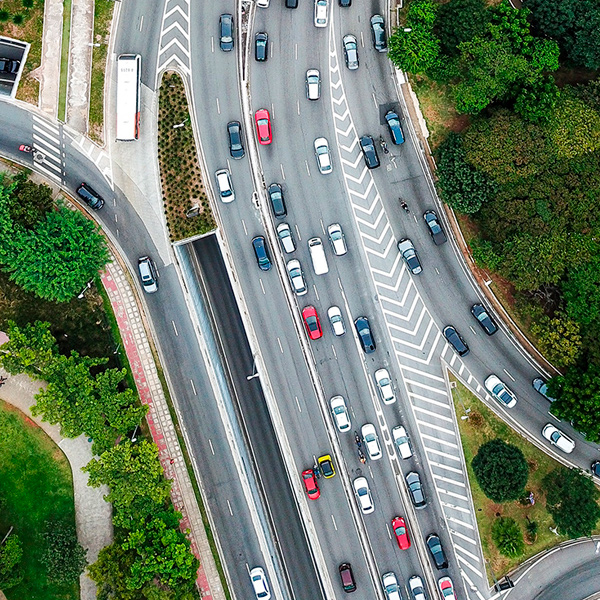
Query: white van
pixel 317 254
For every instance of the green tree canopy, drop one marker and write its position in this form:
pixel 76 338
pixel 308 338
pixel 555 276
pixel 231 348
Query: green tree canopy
pixel 64 558
pixel 31 349
pixel 572 500
pixel 29 202
pixel 501 470
pixel 558 339
pixel 460 21
pixel 462 187
pixel 577 394
pixel 581 291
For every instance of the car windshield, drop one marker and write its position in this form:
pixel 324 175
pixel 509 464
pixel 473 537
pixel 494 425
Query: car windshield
pixel 401 440
pixel 262 122
pixel 312 323
pixel 400 530
pixel 370 437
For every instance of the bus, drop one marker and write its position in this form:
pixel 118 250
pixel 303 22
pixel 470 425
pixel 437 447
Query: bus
pixel 128 96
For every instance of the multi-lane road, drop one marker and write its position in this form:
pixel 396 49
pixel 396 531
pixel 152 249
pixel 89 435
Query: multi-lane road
pixel 251 441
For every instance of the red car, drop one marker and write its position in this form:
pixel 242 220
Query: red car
pixel 310 483
pixel 263 126
pixel 311 320
pixel 399 527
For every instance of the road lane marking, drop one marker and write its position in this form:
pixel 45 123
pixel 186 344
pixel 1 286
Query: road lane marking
pixel 509 375
pixel 298 403
pixel 211 446
pixel 218 105
pixel 262 287
pixel 244 226
pixel 282 171
pixel 229 506
pixel 193 387
pixel 334 523
pixel 280 346
pixel 175 328
pixel 141 23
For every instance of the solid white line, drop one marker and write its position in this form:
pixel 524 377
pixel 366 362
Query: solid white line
pixel 465 511
pixel 424 436
pixel 447 468
pixel 433 414
pixel 436 427
pixel 449 481
pixel 429 401
pixel 463 537
pixel 453 495
pixel 427 387
pixel 469 565
pixel 440 453
pixel 462 523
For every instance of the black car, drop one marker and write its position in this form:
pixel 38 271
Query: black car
pixel 378 33
pixel 261 41
pixel 437 552
pixel 435 229
pixel 541 387
pixel 456 341
pixel 262 253
pixel 367 145
pixel 226 25
pixel 236 146
pixel 345 2
pixel 9 66
pixel 90 196
pixel 347 577
pixel 417 495
pixel 596 468
pixel 393 121
pixel 277 200
pixel 484 319
pixel 365 335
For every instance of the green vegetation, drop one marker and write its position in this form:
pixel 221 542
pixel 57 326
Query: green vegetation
pixel 24 20
pixel 501 471
pixel 572 500
pixel 534 521
pixel 36 498
pixel 525 167
pixel 508 537
pixel 52 253
pixel 180 173
pixel 103 13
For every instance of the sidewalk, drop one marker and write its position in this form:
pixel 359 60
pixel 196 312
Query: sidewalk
pixel 149 387
pixel 49 70
pixel 93 515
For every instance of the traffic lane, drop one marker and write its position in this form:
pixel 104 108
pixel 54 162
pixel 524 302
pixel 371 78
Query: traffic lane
pixel 259 429
pixel 139 33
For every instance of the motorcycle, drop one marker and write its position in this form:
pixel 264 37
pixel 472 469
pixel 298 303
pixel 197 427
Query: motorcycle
pixel 361 456
pixel 404 205
pixel 317 471
pixel 383 145
pixel 25 148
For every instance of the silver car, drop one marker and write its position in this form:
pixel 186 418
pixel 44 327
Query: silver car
pixel 321 13
pixel 337 239
pixel 350 52
pixel 402 442
pixel 340 413
pixel 385 386
pixel 297 277
pixel 284 232
pixel 224 185
pixel 148 274
pixel 336 320
pixel 369 435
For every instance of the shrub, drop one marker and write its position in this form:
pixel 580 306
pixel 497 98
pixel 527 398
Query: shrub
pixel 508 537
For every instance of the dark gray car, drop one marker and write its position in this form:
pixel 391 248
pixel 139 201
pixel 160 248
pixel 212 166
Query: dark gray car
pixel 261 46
pixel 226 32
pixel 367 145
pixel 455 340
pixel 277 200
pixel 90 196
pixel 484 319
pixel 435 228
pixel 437 552
pixel 236 146
pixel 378 33
pixel 415 487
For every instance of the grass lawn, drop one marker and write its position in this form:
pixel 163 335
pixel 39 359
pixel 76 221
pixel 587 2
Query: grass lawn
pixel 37 489
pixel 482 426
pixel 22 23
pixel 64 61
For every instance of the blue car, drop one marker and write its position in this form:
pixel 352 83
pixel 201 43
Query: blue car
pixel 262 253
pixel 393 122
pixel 365 335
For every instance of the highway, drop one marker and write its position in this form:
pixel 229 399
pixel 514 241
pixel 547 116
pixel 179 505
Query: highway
pixel 406 312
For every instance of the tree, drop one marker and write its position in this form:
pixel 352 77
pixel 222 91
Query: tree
pixel 162 551
pixel 501 470
pixel 508 537
pixel 575 24
pixel 558 339
pixel 581 291
pixel 111 571
pixel 577 394
pixel 11 554
pixel 58 257
pixel 536 100
pixel 64 557
pixel 572 500
pixel 415 48
pixel 460 21
pixel 29 202
pixel 30 349
pixel 462 187
pixel 135 477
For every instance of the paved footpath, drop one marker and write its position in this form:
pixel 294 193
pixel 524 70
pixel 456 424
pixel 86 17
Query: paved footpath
pixel 93 515
pixel 143 367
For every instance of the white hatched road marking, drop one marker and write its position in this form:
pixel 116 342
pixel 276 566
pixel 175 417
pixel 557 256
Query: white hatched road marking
pixel 174 45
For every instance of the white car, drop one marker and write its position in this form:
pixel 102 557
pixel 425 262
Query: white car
pixel 371 440
pixel 263 3
pixel 321 13
pixel 340 413
pixel 385 387
pixel 337 239
pixel 336 320
pixel 323 156
pixel 313 84
pixel 285 237
pixel 447 588
pixel 260 583
pixel 390 586
pixel 499 391
pixel 557 438
pixel 363 493
pixel 402 442
pixel 416 587
pixel 224 185
pixel 296 277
